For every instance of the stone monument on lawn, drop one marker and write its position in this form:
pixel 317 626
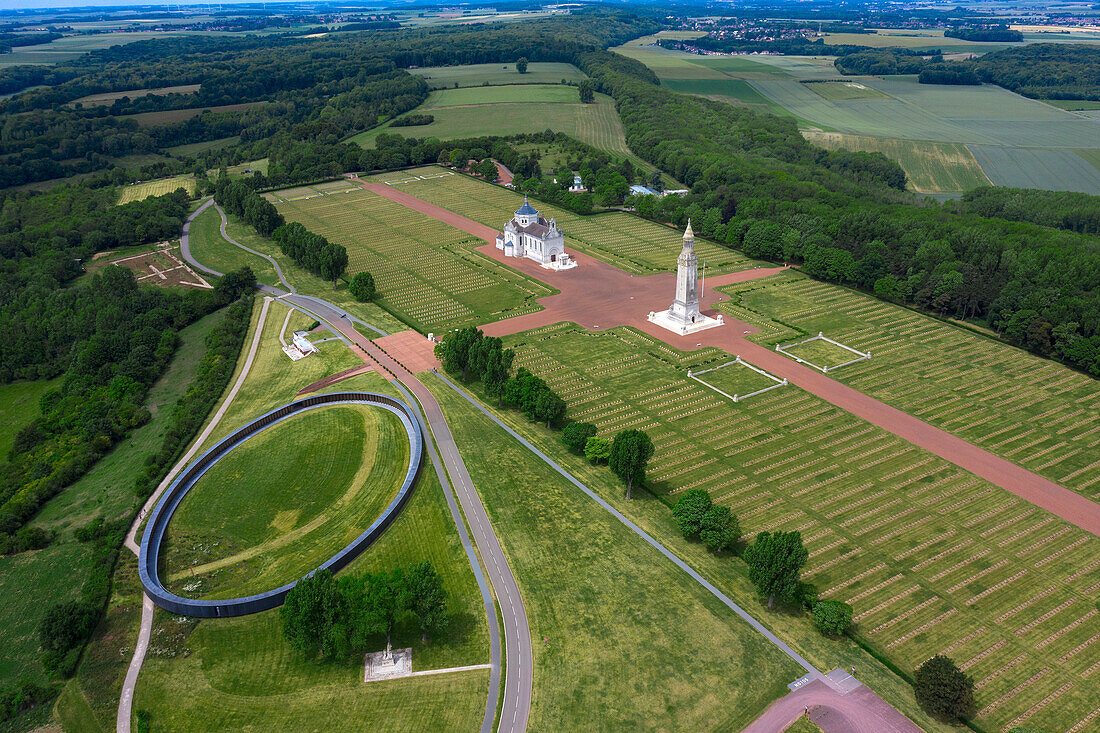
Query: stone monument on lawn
pixel 683 316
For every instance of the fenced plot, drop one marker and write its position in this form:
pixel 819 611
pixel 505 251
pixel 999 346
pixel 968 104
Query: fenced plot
pixel 933 559
pixel 737 379
pixel 629 242
pixel 423 268
pixel 822 353
pixel 1029 410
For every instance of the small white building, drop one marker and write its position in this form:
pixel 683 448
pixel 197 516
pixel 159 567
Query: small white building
pixel 300 346
pixel 578 185
pixel 638 190
pixel 532 236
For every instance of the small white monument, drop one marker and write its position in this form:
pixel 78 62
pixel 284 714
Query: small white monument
pixel 530 235
pixel 683 316
pixel 300 346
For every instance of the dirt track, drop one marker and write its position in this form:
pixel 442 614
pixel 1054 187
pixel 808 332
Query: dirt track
pixel 599 296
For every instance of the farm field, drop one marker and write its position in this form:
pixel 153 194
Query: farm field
pixel 164 117
pixel 475 75
pixel 196 148
pixel 285 501
pixel 597 124
pixel 931 167
pixel 629 242
pixel 1023 141
pixel 611 609
pixel 1054 170
pixel 108 98
pixel 933 559
pixel 916 39
pixel 72 47
pixel 159 187
pixel 843 90
pixel 32 581
pixel 1029 410
pixel 424 269
pixel 514 93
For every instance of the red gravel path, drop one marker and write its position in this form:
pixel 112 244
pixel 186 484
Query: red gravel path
pixel 860 711
pixel 597 296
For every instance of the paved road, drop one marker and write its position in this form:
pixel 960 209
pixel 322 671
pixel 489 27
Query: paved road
pixel 126 699
pixel 598 296
pixel 519 655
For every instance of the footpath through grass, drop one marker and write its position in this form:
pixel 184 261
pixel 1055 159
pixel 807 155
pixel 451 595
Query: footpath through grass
pixel 633 642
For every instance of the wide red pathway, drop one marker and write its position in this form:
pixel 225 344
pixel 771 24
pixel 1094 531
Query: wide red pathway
pixel 597 296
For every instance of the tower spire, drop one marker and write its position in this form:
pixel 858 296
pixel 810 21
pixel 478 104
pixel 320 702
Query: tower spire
pixel 688 233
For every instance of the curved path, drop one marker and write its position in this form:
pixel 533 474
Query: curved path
pixel 597 295
pixel 516 704
pixel 126 698
pixel 149 556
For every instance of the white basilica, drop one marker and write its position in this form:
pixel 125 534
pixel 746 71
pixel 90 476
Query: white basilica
pixel 683 316
pixel 530 235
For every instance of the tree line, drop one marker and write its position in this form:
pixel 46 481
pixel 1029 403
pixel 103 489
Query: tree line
pixel 338 617
pixel 1044 70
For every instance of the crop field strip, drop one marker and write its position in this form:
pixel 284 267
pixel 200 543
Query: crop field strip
pixel 159 187
pixel 933 559
pixel 1029 410
pixel 628 242
pixel 422 267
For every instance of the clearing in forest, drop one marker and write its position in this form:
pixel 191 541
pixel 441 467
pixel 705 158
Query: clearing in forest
pixel 476 75
pixel 159 187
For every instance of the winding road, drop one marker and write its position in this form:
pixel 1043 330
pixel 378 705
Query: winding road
pixel 518 678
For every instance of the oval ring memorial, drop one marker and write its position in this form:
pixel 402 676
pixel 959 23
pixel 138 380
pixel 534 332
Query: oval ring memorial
pixel 161 515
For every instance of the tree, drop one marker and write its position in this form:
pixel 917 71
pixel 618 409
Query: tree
pixel 454 349
pixel 719 529
pixel 521 64
pixel 362 286
pixel 495 375
pixel 630 451
pixel 775 560
pixel 428 599
pixel 943 689
pixel 689 511
pixel 385 597
pixel 587 91
pixel 597 449
pixel 576 434
pixel 832 617
pixel 549 406
pixel 309 612
pixel 488 169
pixel 66 625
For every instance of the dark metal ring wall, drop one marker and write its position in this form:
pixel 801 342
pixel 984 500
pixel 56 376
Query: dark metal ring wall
pixel 162 514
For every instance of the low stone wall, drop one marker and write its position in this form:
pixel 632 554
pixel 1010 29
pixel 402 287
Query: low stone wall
pixel 151 541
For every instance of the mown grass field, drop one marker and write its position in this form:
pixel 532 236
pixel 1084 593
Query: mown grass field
pixel 934 560
pixel 527 93
pixel 285 501
pixel 33 581
pixel 1029 410
pixel 476 75
pixel 621 650
pixel 108 98
pixel 19 406
pixel 164 117
pixel 209 248
pixel 159 187
pixel 931 167
pixel 629 242
pixel 424 269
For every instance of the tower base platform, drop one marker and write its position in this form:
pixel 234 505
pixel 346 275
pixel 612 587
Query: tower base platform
pixel 664 319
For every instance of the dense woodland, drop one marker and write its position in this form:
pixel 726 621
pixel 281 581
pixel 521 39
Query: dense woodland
pixel 1044 70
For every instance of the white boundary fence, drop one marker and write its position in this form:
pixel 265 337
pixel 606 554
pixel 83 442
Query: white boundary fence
pixel 822 337
pixel 737 398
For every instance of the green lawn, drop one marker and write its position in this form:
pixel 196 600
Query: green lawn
pixel 527 93
pixel 632 641
pixel 18 407
pixel 820 353
pixel 629 242
pixel 424 269
pixel 934 560
pixel 211 249
pixel 843 90
pixel 735 379
pixel 285 501
pixel 475 75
